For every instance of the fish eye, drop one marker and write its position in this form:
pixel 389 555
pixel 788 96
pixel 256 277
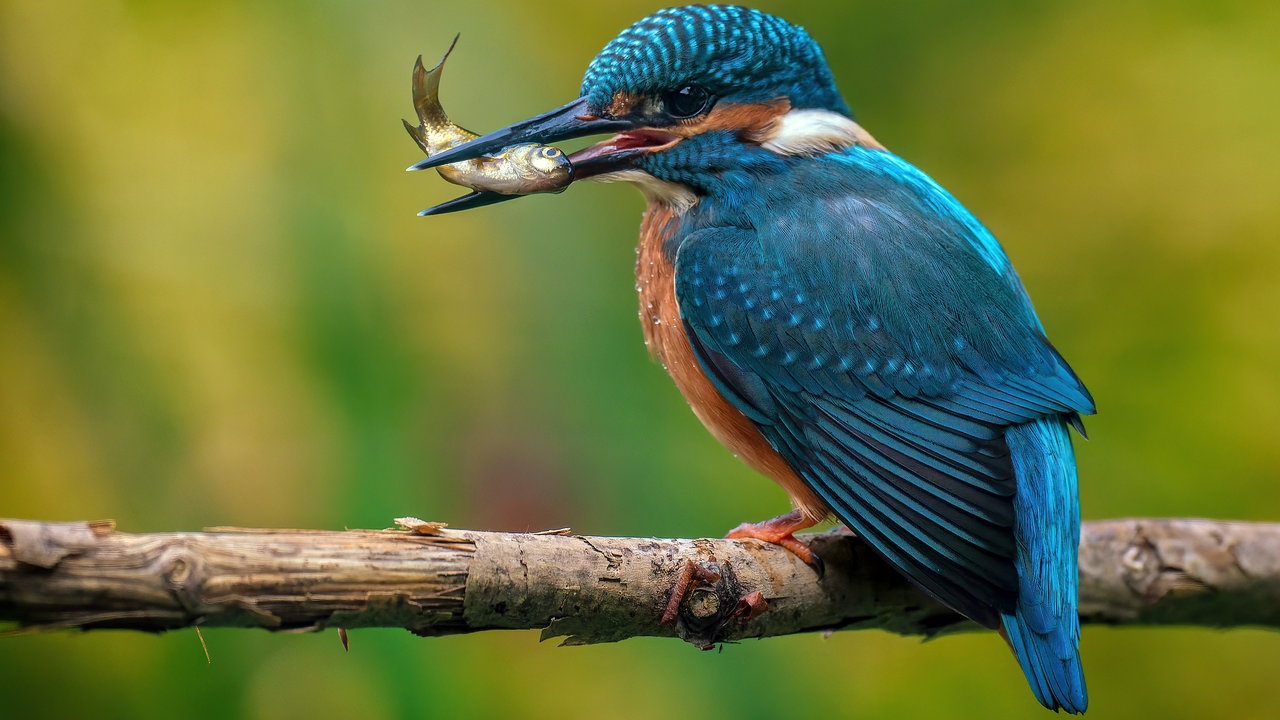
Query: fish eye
pixel 550 152
pixel 686 102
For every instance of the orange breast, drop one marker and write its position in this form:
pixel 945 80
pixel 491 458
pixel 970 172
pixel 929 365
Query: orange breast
pixel 665 336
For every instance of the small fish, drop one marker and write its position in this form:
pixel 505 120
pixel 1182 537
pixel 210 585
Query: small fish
pixel 518 170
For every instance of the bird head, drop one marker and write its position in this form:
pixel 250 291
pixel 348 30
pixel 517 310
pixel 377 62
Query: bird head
pixel 680 83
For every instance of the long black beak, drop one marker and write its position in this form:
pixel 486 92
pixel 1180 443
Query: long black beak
pixel 466 202
pixel 570 121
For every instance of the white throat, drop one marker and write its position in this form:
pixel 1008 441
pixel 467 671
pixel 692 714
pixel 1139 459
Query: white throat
pixel 675 196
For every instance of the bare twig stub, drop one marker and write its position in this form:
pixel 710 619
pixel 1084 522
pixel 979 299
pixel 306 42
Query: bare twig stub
pixel 436 581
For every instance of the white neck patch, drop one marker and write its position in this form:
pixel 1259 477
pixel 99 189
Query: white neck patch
pixel 814 132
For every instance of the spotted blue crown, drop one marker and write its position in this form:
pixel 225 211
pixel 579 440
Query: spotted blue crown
pixel 737 53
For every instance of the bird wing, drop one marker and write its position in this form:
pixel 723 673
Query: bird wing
pixel 884 368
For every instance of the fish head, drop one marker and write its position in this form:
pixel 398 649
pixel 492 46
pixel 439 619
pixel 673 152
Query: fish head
pixel 545 167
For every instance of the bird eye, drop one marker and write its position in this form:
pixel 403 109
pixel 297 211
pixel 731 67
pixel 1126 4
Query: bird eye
pixel 686 102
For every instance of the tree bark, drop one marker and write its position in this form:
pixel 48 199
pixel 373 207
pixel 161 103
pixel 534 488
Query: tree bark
pixel 435 581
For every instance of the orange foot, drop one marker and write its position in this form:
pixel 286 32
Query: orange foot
pixel 779 531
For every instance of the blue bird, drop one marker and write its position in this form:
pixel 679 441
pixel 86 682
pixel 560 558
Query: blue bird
pixel 838 320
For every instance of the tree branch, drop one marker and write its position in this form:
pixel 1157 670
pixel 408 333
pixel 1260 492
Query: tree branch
pixel 585 589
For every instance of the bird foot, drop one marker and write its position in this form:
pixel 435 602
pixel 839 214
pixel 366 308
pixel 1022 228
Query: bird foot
pixel 780 531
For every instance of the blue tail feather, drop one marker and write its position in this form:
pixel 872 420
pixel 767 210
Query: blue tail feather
pixel 1044 630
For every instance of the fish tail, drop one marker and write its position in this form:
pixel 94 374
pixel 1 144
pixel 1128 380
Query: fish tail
pixel 1044 629
pixel 426 89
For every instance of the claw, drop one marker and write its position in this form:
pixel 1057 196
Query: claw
pixel 779 531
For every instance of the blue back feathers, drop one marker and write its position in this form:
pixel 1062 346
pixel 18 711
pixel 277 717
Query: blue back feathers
pixel 737 53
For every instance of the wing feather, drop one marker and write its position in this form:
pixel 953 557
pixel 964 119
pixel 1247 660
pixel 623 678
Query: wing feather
pixel 898 426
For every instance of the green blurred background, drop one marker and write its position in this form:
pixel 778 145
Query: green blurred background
pixel 218 308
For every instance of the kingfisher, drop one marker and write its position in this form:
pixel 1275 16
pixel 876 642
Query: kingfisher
pixel 838 320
